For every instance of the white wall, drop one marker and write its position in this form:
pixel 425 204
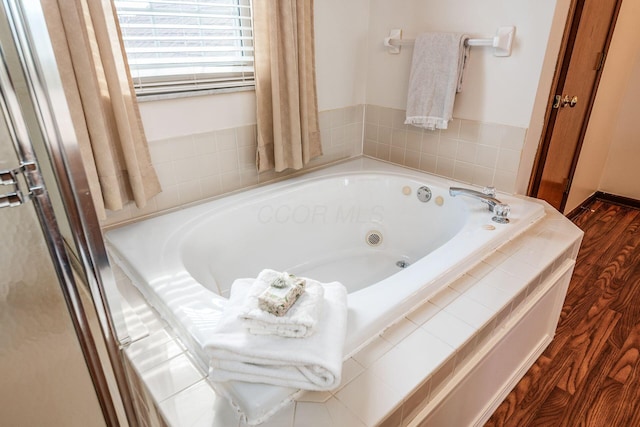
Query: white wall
pixel 353 67
pixel 341 51
pixel 541 103
pixel 496 90
pixel 621 173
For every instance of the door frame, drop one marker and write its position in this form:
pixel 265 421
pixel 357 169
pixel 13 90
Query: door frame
pixel 559 78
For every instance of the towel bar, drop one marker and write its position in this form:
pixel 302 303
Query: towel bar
pixel 501 42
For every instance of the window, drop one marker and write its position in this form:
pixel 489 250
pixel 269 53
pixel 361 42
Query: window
pixel 187 45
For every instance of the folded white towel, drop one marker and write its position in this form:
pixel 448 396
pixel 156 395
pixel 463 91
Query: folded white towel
pixel 299 321
pixel 311 363
pixel 436 75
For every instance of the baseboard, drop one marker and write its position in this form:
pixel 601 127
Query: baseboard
pixel 582 206
pixel 618 200
pixel 607 197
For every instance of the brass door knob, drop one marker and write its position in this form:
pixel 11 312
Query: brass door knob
pixel 573 101
pixel 561 101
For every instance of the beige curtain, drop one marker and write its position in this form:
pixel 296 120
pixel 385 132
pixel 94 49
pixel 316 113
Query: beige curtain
pixel 287 106
pixel 86 41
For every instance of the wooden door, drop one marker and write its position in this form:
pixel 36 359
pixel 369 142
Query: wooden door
pixel 587 38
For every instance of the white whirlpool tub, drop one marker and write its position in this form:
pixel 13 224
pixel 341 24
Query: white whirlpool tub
pixel 359 222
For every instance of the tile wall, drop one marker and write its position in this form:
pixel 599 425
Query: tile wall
pixel 196 167
pixel 468 151
pixel 200 166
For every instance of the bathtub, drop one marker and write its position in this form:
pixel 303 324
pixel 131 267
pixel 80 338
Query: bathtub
pixel 359 222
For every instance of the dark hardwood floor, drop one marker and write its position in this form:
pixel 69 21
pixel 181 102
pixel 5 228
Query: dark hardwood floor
pixel 590 374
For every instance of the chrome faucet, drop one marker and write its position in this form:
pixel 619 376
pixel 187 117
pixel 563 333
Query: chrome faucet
pixel 501 210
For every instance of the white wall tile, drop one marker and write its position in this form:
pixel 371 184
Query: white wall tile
pixel 397 332
pixel 508 160
pixel 371 131
pixel 467 151
pixel 171 377
pixel 210 186
pixel 469 311
pixel 448 147
pixel 398 118
pixel 399 138
pixel 505 181
pixel 310 414
pixel 229 154
pixel 404 368
pixel 483 176
pixel 158 355
pixel 341 416
pixel 486 153
pixel 469 130
pixel 412 159
pixel 384 135
pixel 185 170
pixel 513 138
pixel 449 329
pixel 444 297
pixel 385 117
pixel 372 114
pixel 220 413
pixel 430 141
pixel 463 171
pixel 184 409
pixel 490 297
pixel 369 397
pixel 338 118
pixel 396 155
pixel 486 156
pixel 428 163
pixel 423 313
pixel 463 283
pixel 165 173
pixel 490 134
pixel 445 166
pixel 372 352
pixel 204 143
pixel 414 140
pixel 189 191
pixel 453 130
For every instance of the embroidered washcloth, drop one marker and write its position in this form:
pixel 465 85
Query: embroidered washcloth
pixel 298 322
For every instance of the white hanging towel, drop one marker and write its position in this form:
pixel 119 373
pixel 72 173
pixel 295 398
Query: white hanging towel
pixel 436 76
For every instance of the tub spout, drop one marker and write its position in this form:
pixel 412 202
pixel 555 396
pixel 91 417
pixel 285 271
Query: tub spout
pixel 500 210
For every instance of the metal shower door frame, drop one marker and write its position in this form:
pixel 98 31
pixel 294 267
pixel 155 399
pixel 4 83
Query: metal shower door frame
pixel 26 24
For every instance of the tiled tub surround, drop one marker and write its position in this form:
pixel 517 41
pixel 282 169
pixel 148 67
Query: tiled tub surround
pixel 470 343
pixel 329 214
pixel 485 154
pixel 197 167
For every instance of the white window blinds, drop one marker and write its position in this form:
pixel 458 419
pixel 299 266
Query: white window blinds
pixel 187 45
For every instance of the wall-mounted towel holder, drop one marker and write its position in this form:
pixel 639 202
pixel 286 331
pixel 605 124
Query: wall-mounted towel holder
pixel 501 42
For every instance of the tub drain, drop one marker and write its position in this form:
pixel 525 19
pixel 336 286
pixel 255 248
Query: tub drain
pixel 373 238
pixel 403 264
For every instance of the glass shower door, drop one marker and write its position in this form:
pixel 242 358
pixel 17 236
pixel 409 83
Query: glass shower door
pixel 45 380
pixel 50 370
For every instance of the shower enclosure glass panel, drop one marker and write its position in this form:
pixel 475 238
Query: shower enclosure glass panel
pixel 53 362
pixel 45 380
